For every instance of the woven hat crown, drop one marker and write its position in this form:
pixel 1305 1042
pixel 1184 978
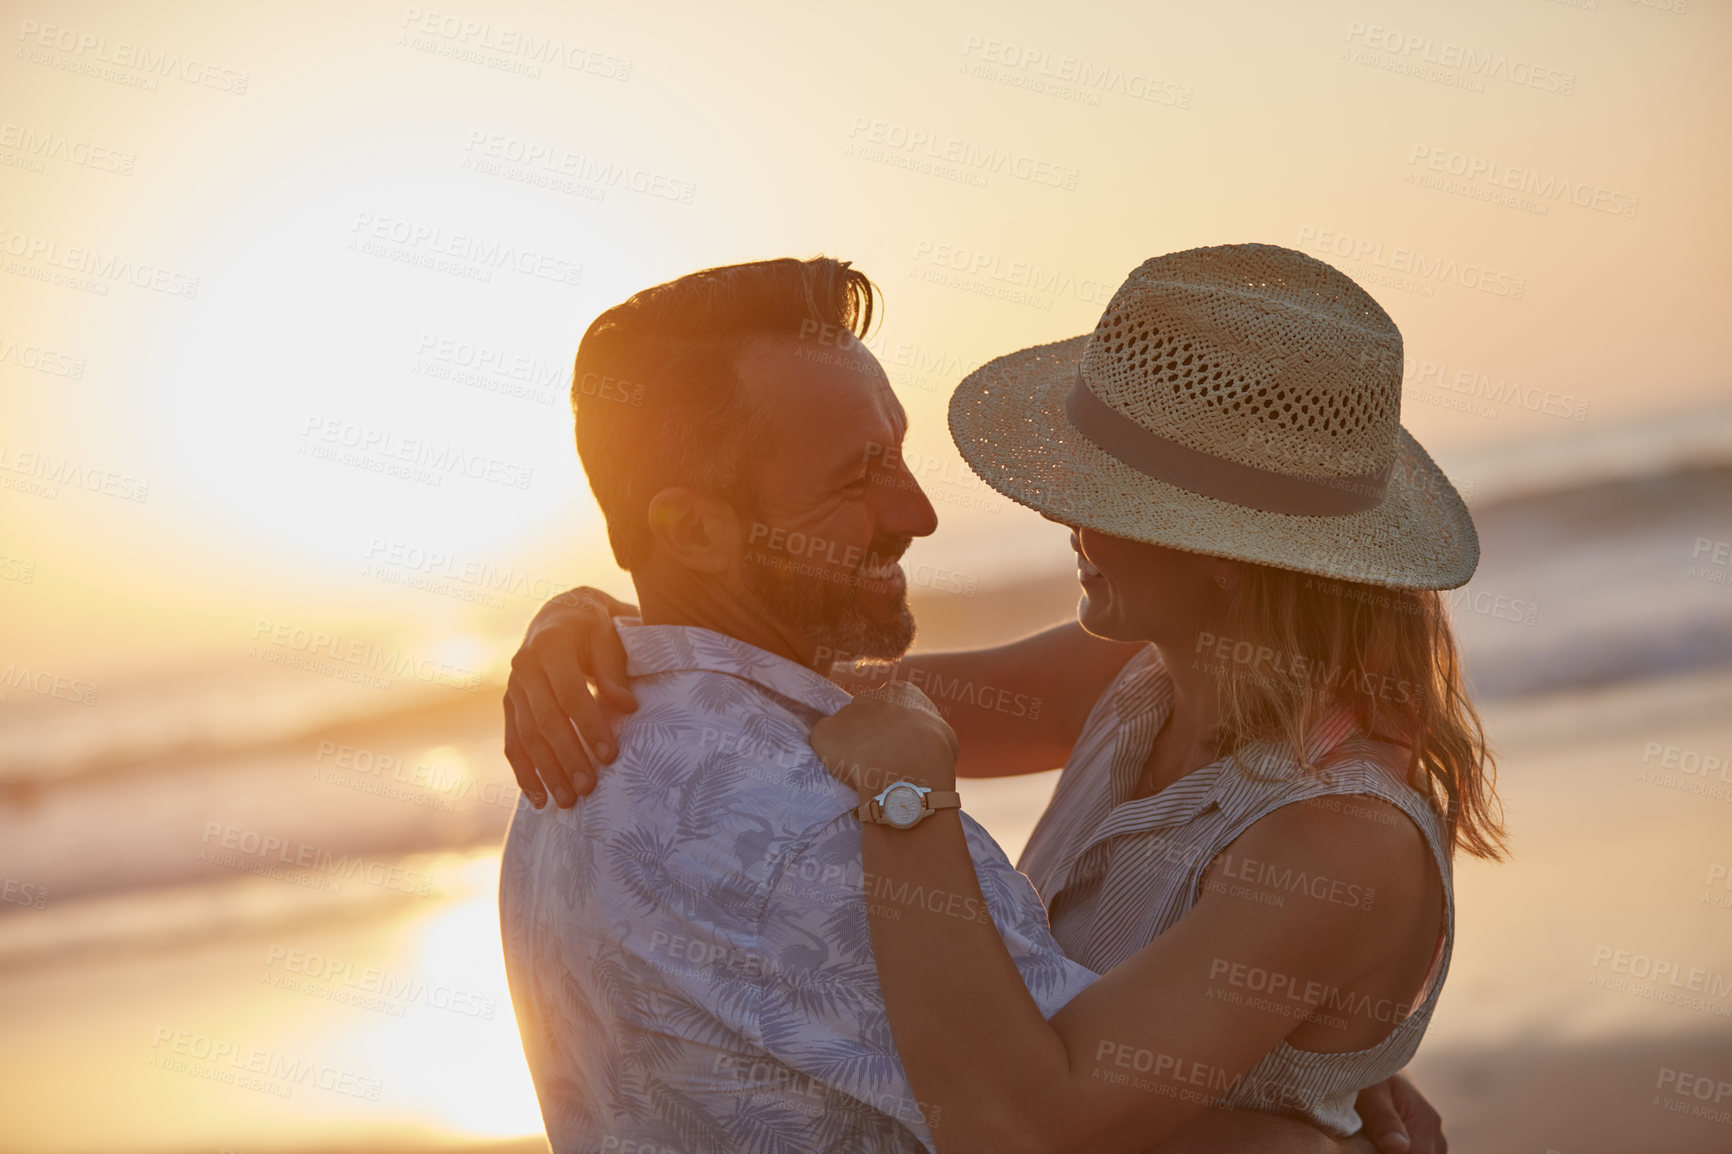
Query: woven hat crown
pixel 1255 354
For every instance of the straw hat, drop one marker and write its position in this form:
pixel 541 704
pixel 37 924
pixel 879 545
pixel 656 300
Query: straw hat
pixel 1242 401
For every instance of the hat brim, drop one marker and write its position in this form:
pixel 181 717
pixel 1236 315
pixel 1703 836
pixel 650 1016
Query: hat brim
pixel 1008 421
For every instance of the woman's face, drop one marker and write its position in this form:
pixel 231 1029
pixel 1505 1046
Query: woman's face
pixel 1138 592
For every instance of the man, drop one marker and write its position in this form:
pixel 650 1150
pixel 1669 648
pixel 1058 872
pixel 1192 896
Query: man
pixel 687 948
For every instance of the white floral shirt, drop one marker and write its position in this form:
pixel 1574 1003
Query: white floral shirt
pixel 688 949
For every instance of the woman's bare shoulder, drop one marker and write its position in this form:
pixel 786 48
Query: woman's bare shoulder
pixel 1354 865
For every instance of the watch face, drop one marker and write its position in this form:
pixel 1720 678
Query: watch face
pixel 902 806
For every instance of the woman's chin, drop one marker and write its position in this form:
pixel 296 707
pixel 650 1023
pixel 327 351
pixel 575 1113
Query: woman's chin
pixel 1094 614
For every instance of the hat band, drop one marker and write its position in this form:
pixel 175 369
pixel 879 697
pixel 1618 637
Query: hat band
pixel 1211 476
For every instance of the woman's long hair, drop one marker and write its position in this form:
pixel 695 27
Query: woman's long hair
pixel 1387 653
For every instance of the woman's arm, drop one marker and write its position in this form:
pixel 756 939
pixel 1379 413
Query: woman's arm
pixel 1220 1131
pixel 1140 1053
pixel 1017 708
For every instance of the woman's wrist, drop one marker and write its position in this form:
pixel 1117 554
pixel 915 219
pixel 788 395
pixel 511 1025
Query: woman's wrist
pixel 873 783
pixel 887 765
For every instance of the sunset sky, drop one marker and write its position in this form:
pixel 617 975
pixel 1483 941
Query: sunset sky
pixel 401 219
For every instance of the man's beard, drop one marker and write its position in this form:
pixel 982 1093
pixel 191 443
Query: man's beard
pixel 825 607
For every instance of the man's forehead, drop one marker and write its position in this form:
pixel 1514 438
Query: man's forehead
pixel 821 390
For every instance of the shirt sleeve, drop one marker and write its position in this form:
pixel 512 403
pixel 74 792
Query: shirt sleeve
pixel 820 1007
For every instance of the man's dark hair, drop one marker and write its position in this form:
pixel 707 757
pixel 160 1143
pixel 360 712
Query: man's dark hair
pixel 655 394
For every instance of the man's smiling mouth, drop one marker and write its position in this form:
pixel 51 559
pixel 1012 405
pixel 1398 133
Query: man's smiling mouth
pixel 882 570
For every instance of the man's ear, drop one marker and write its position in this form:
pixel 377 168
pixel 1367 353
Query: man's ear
pixel 694 529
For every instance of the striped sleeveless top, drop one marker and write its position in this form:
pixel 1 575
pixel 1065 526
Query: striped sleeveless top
pixel 1116 870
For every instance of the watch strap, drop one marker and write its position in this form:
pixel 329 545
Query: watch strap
pixel 943 799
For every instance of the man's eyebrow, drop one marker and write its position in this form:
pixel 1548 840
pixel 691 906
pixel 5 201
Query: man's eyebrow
pixel 869 451
pixel 847 464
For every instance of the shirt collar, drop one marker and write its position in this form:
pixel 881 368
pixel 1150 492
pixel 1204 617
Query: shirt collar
pixel 653 649
pixel 1144 694
pixel 1149 693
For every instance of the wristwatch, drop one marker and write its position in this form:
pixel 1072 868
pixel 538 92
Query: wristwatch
pixel 904 805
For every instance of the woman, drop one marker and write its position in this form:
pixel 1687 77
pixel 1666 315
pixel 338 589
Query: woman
pixel 1269 756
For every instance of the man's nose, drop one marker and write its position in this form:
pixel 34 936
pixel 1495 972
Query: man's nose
pixel 908 512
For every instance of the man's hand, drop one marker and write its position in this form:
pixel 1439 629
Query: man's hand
pixel 552 720
pixel 892 733
pixel 1399 1119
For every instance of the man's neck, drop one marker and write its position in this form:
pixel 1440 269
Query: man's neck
pixel 700 605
